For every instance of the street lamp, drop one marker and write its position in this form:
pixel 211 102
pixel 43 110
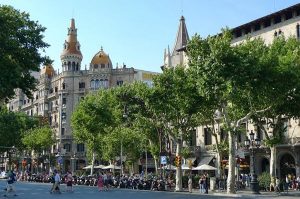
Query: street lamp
pixel 252 144
pixel 125 116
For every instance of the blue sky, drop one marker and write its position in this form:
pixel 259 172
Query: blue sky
pixel 136 32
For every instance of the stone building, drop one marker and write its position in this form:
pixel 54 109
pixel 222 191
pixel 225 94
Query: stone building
pixel 287 155
pixel 58 94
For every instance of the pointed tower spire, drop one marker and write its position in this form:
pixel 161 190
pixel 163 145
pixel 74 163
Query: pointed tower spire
pixel 71 53
pixel 182 37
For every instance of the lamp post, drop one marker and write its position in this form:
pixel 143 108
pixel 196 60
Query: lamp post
pixel 125 116
pixel 252 144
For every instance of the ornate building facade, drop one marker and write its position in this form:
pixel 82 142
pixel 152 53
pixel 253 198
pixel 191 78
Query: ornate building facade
pixel 58 94
pixel 287 155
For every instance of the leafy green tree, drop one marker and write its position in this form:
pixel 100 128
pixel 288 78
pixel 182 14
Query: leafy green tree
pixel 38 139
pixel 236 80
pixel 284 56
pixel 21 42
pixel 140 118
pixel 94 118
pixel 177 106
pixel 12 127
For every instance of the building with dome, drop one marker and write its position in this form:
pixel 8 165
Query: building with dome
pixel 58 94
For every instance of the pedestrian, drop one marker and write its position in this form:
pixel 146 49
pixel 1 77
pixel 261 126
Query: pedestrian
pixel 100 182
pixel 105 182
pixel 277 185
pixel 201 186
pixel 69 181
pixel 206 183
pixel 55 188
pixel 190 184
pixel 287 183
pixel 10 188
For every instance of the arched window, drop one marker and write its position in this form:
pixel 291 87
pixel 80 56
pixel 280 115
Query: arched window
pixel 105 83
pixel 95 66
pixel 69 65
pixel 73 66
pixel 64 85
pixel 97 84
pixel 101 83
pixel 92 84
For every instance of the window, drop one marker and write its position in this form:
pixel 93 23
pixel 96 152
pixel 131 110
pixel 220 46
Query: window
pixel 81 85
pixel 80 147
pixel 56 89
pixel 238 33
pixel 64 85
pixel 92 84
pixel 120 82
pixel 277 19
pixel 247 30
pixel 257 27
pixel 288 15
pixel 64 101
pixel 207 136
pixel 97 85
pixel 102 65
pixel 267 23
pixel 105 83
pixel 63 131
pixel 95 66
pixel 67 147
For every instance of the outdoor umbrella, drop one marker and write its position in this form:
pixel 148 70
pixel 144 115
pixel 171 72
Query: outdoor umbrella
pixel 205 167
pixel 112 167
pixel 88 167
pixel 99 166
pixel 185 167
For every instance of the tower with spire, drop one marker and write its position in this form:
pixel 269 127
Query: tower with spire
pixel 71 56
pixel 178 55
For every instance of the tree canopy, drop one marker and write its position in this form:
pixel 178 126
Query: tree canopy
pixel 21 44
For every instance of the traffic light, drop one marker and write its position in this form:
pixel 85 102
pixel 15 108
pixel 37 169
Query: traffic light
pixel 177 161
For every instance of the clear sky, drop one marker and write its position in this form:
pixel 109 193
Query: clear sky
pixel 136 32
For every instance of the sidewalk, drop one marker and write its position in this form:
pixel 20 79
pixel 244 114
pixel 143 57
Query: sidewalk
pixel 248 193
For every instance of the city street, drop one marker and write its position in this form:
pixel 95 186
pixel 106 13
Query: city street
pixel 27 190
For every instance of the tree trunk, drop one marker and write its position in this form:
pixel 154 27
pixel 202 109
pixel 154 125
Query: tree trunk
pixel 232 163
pixel 273 165
pixel 178 169
pixel 93 160
pixel 156 164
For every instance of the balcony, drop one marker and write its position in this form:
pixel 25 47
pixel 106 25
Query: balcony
pixel 53 95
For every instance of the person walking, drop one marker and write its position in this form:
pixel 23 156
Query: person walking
pixel 100 182
pixel 105 181
pixel 69 181
pixel 190 184
pixel 277 185
pixel 10 188
pixel 55 188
